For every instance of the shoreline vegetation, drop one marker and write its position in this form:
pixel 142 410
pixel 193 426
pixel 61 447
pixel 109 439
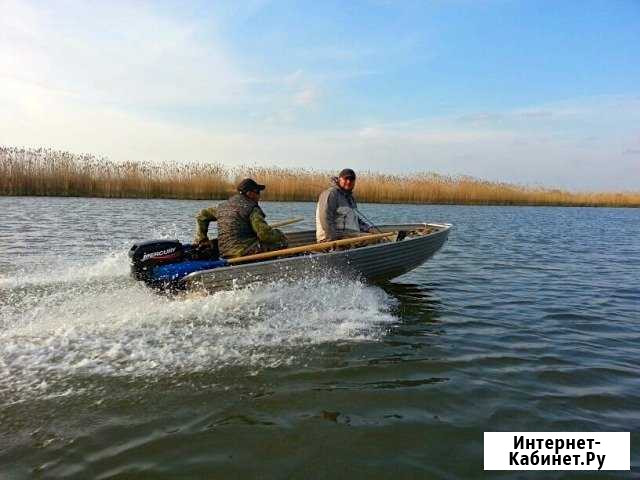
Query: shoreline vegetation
pixel 47 172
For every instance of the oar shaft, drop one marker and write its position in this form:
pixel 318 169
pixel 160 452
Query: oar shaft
pixel 314 247
pixel 286 222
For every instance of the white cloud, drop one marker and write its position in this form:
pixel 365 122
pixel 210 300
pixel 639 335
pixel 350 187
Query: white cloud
pixel 85 77
pixel 306 97
pixel 305 93
pixel 114 53
pixel 439 145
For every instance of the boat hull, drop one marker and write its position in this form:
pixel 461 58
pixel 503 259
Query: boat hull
pixel 374 263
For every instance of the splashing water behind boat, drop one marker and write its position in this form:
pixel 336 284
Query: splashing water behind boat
pixel 93 320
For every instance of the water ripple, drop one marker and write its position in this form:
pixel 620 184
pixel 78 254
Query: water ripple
pixel 527 320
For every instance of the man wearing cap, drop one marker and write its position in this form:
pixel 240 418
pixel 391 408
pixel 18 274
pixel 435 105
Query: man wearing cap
pixel 336 215
pixel 242 229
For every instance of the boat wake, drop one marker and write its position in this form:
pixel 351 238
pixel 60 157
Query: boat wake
pixel 63 324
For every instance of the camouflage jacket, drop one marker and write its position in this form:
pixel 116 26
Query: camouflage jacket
pixel 238 241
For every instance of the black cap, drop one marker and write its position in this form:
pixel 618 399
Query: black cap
pixel 249 185
pixel 347 172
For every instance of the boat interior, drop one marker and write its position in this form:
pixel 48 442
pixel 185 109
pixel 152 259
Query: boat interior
pixel 403 231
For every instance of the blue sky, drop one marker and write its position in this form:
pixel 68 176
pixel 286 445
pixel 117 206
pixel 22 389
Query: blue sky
pixel 532 92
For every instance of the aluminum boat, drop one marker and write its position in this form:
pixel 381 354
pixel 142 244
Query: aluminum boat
pixel 406 247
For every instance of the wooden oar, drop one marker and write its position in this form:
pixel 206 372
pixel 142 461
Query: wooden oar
pixel 286 222
pixel 314 247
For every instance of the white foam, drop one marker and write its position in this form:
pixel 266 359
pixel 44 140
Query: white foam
pixel 58 270
pixel 99 322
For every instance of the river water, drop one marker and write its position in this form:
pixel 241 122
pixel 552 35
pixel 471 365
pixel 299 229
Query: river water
pixel 528 319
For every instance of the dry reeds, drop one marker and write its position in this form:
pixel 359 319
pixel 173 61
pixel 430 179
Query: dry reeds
pixel 51 172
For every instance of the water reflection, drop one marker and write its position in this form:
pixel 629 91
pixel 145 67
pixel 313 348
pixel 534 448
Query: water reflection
pixel 415 303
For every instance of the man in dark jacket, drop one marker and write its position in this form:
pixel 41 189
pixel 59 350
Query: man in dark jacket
pixel 336 212
pixel 242 229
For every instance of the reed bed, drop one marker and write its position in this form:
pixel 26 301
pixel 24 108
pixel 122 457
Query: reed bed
pixel 58 173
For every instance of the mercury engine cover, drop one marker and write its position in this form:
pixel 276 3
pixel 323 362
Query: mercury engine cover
pixel 146 255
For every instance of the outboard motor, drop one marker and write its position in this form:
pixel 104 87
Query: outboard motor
pixel 147 255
